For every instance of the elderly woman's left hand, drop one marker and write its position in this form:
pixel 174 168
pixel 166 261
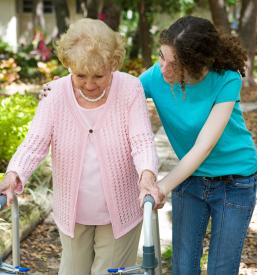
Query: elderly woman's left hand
pixel 148 185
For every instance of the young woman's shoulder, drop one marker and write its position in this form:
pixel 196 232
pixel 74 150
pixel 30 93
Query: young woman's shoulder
pixel 227 86
pixel 228 75
pixel 152 73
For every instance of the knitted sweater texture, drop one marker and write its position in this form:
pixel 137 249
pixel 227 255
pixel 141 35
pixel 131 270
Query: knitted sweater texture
pixel 123 140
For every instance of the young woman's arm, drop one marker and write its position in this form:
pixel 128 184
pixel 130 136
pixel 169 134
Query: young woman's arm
pixel 206 140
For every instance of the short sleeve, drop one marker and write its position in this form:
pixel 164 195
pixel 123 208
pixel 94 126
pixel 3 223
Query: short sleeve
pixel 146 78
pixel 230 89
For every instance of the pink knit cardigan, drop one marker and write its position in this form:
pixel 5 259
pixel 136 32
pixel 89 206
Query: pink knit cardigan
pixel 124 141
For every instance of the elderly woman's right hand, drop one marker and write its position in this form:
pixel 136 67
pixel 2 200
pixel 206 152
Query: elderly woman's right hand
pixel 148 185
pixel 8 185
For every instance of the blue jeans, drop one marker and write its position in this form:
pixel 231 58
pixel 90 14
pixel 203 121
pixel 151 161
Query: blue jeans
pixel 229 205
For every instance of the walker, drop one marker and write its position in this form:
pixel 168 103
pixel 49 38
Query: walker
pixel 151 247
pixel 151 264
pixel 6 269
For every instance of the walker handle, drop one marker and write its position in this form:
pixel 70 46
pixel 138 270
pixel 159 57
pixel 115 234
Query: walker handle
pixel 149 198
pixel 3 201
pixel 147 225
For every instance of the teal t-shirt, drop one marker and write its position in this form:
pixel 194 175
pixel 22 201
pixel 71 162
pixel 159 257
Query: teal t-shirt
pixel 183 114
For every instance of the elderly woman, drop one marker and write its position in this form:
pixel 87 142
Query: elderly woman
pixel 97 125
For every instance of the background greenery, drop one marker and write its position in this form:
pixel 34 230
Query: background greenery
pixel 16 113
pixel 140 22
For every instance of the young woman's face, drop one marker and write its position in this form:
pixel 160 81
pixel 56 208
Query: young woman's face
pixel 92 84
pixel 169 64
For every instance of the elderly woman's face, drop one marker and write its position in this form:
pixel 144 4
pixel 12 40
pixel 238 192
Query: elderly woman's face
pixel 92 84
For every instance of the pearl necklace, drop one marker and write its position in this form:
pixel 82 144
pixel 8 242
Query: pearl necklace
pixel 92 99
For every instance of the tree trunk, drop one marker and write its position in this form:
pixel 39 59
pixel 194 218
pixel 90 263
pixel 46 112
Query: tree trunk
pixel 219 14
pixel 89 8
pixel 92 8
pixel 110 14
pixel 247 34
pixel 134 51
pixel 62 15
pixel 145 35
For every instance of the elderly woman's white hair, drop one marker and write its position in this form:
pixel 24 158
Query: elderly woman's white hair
pixel 89 46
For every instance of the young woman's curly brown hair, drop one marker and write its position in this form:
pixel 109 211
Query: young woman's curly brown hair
pixel 198 45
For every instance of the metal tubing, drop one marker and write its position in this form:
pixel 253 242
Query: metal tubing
pixel 15 232
pixel 147 224
pixel 156 242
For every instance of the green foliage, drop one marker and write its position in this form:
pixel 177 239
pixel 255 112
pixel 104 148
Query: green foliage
pixel 204 260
pixel 186 6
pixel 153 6
pixel 5 48
pixel 27 65
pixel 129 24
pixel 153 9
pixel 167 254
pixel 8 67
pixel 16 113
pixel 32 67
pixel 50 69
pixel 231 2
pixel 255 65
pixel 27 60
pixel 173 6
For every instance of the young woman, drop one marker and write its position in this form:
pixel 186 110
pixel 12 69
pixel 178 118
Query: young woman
pixel 196 89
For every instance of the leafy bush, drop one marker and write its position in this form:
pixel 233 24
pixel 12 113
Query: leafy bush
pixel 28 64
pixel 133 66
pixel 167 256
pixel 35 66
pixel 16 113
pixel 50 69
pixel 9 71
pixel 5 50
pixel 27 61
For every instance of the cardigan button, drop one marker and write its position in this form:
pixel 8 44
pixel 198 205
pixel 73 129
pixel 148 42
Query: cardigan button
pixel 91 131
